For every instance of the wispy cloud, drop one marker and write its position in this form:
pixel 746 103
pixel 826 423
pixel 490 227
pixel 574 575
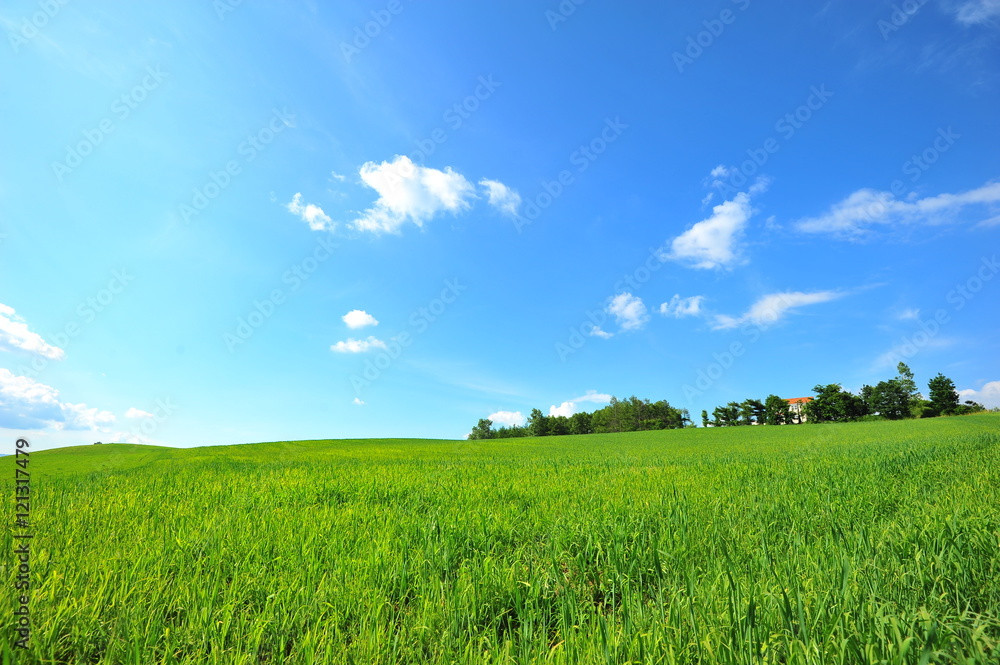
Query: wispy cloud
pixel 867 207
pixel 15 336
pixel 311 214
pixel 358 345
pixel 978 11
pixel 771 308
pixel 678 307
pixel 501 197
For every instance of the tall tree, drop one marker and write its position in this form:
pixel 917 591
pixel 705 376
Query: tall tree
pixel 944 397
pixel 538 423
pixel 776 411
pixel 704 418
pixel 482 430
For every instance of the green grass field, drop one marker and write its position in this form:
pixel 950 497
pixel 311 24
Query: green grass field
pixel 857 543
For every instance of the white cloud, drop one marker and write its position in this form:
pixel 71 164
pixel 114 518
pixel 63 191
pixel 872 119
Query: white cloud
pixel 678 307
pixel 28 404
pixel 508 418
pixel 138 413
pixel 336 176
pixel 358 345
pixel 597 332
pixel 311 214
pixel 359 318
pixel 411 193
pixel 909 314
pixel 711 242
pixel 14 335
pixel 358 401
pixel 566 409
pixel 988 395
pixel 771 308
pixel 501 197
pixel 867 207
pixel 629 311
pixel 720 171
pixel 593 396
pixel 978 11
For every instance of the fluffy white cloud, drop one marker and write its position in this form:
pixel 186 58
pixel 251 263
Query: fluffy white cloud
pixel 978 11
pixel 628 310
pixel 138 413
pixel 988 395
pixel 508 418
pixel 311 214
pixel 411 193
pixel 501 197
pixel 358 401
pixel 15 335
pixel 868 207
pixel 772 308
pixel 359 318
pixel 358 345
pixel 597 332
pixel 28 404
pixel 711 243
pixel 678 307
pixel 568 408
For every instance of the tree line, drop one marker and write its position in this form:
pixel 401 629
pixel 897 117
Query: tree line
pixel 894 399
pixel 626 415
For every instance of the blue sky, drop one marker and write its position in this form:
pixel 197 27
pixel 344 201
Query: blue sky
pixel 249 221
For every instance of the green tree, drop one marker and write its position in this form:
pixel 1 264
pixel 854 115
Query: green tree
pixel 704 418
pixel 891 399
pixel 579 423
pixel 776 411
pixel 538 423
pixel 944 397
pixel 482 430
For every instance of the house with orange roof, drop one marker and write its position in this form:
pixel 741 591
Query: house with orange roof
pixel 796 406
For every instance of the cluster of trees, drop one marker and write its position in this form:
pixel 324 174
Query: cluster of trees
pixel 894 399
pixel 626 415
pixel 772 411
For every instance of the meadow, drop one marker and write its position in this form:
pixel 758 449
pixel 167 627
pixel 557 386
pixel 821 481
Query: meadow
pixel 873 542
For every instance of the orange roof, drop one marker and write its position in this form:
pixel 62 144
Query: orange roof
pixel 799 400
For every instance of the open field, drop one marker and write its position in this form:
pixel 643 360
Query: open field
pixel 857 543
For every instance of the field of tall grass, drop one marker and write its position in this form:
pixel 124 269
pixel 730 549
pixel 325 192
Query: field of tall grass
pixel 856 543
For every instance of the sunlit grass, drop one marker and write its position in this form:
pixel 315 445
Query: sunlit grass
pixel 858 543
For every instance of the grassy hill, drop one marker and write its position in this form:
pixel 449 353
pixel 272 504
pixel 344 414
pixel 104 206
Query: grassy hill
pixel 865 542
